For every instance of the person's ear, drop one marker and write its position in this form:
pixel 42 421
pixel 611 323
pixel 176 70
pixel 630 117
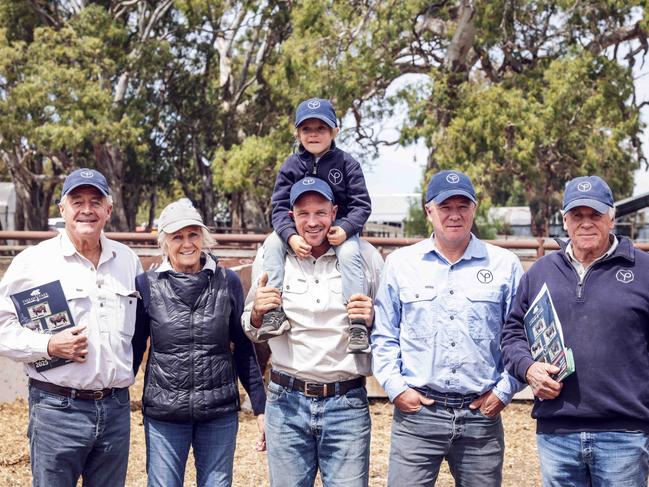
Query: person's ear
pixel 290 213
pixel 334 132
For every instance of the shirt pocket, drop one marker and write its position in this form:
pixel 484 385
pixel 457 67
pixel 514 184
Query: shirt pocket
pixel 295 286
pixel 483 314
pixel 78 301
pixel 125 307
pixel 419 312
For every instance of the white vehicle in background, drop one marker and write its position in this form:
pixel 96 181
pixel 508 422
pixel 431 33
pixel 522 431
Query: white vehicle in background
pixel 57 224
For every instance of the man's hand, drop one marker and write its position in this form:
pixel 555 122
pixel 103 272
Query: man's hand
pixel 261 439
pixel 360 308
pixel 410 401
pixel 266 298
pixel 488 403
pixel 69 344
pixel 539 377
pixel 299 246
pixel 336 235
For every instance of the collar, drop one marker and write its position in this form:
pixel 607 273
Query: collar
pixel 210 264
pixel 476 249
pixel 624 249
pixel 68 249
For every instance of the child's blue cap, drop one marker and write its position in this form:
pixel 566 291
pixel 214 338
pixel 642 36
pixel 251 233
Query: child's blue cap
pixel 309 184
pixel 316 108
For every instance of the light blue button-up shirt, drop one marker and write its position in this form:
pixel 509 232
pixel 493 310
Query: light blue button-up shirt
pixel 437 323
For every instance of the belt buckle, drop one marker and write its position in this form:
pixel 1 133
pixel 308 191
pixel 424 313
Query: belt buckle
pixel 320 388
pixel 98 395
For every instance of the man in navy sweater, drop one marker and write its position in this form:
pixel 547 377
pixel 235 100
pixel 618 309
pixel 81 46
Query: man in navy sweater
pixel 592 429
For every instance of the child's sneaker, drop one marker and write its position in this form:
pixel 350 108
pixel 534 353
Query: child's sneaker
pixel 273 324
pixel 359 340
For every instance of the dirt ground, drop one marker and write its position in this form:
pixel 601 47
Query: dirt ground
pixel 250 470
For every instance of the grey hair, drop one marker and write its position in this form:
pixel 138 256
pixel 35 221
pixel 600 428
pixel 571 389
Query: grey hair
pixel 109 199
pixel 207 241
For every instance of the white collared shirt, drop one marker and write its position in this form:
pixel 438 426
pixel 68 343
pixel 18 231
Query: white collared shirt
pixel 103 299
pixel 579 267
pixel 315 346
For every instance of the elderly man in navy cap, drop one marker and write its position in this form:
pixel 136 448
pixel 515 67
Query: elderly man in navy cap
pixel 435 344
pixel 79 418
pixel 317 413
pixel 592 429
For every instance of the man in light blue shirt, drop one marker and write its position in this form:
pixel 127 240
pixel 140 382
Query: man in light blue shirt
pixel 439 309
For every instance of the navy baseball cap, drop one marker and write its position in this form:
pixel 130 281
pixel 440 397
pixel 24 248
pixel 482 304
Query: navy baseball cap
pixel 446 184
pixel 85 177
pixel 316 108
pixel 310 184
pixel 591 191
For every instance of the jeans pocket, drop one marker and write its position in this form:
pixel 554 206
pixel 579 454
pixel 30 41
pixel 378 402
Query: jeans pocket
pixel 274 392
pixel 52 401
pixel 122 398
pixel 356 398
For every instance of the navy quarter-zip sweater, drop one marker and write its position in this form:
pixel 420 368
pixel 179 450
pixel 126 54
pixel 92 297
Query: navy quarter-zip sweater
pixel 605 321
pixel 341 171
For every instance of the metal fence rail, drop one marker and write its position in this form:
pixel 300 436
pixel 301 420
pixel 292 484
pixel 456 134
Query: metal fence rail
pixel 16 240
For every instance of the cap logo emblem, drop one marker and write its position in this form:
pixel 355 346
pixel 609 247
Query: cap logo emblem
pixel 584 187
pixel 624 275
pixel 335 176
pixel 308 181
pixel 86 174
pixel 313 104
pixel 485 276
pixel 453 178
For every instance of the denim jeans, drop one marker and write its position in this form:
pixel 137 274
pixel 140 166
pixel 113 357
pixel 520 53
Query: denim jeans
pixel 349 260
pixel 594 459
pixel 304 434
pixel 472 444
pixel 167 448
pixel 72 438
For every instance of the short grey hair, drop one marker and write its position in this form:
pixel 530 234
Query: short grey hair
pixel 207 241
pixel 108 198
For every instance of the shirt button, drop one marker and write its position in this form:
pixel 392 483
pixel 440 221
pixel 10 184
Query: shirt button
pixel 453 371
pixel 317 281
pixel 317 300
pixel 452 344
pixel 452 317
pixel 101 305
pixel 451 291
pixel 416 295
pixel 288 287
pixel 448 382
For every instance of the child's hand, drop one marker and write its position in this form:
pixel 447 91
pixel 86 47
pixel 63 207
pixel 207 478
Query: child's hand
pixel 299 246
pixel 336 235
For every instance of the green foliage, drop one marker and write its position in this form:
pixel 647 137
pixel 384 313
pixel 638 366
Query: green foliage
pixel 416 224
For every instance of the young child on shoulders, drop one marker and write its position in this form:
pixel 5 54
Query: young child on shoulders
pixel 318 156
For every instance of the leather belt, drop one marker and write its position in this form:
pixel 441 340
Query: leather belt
pixel 316 389
pixel 87 395
pixel 448 399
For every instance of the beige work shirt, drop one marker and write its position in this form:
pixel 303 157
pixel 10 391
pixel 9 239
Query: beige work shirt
pixel 315 347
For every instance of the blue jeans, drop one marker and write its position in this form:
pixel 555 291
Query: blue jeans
pixel 594 459
pixel 472 444
pixel 72 438
pixel 167 448
pixel 349 259
pixel 304 434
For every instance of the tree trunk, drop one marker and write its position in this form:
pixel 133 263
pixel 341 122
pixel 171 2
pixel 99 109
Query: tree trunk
pixel 111 165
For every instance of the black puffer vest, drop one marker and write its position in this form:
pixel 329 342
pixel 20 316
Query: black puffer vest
pixel 190 374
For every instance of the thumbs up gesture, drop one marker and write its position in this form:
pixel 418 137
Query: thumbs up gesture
pixel 266 299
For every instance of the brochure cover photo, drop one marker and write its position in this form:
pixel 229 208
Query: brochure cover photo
pixel 545 335
pixel 44 309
